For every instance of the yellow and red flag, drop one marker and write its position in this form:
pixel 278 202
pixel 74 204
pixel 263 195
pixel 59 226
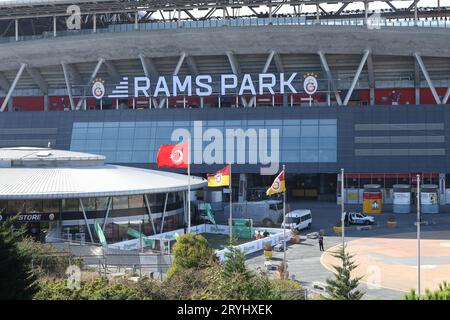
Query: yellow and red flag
pixel 278 185
pixel 220 178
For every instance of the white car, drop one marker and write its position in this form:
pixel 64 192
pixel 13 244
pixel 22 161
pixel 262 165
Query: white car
pixel 299 219
pixel 358 218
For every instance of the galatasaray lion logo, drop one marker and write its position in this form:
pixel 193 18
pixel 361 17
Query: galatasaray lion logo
pixel 310 84
pixel 218 177
pixel 276 185
pixel 98 89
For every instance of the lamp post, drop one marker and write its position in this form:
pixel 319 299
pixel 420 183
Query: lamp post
pixel 418 233
pixel 342 208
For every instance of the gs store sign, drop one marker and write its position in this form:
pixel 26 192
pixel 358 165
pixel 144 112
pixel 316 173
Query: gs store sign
pixel 32 217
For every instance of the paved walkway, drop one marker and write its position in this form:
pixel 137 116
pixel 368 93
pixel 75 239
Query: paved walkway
pixel 378 246
pixel 391 261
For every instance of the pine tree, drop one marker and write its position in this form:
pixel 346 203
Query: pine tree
pixel 17 279
pixel 343 286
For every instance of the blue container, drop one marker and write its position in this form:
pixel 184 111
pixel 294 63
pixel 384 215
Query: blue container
pixel 402 198
pixel 429 199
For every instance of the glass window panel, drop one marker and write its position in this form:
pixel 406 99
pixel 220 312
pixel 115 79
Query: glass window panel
pixel 327 121
pixel 16 206
pixel 95 125
pixel 308 122
pixel 111 125
pixel 136 201
pixel 127 124
pixel 292 122
pixel 123 157
pixel 309 143
pixel 120 203
pixel 290 143
pixel 310 131
pixel 126 133
pixel 164 124
pixel 327 131
pixel 94 133
pixel 327 143
pixel 78 145
pixel 109 145
pixel 141 133
pixel 3 206
pixel 101 204
pixel 142 157
pixel 110 133
pixel 33 206
pixel 70 205
pixel 93 144
pixel 80 124
pixel 309 156
pixel 291 131
pixel 327 156
pixel 124 145
pixel 89 204
pixel 290 156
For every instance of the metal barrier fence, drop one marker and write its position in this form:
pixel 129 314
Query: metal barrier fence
pixel 241 22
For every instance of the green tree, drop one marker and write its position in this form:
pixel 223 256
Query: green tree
pixel 443 293
pixel 17 278
pixel 190 251
pixel 343 286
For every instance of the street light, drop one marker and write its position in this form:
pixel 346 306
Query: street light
pixel 342 208
pixel 418 233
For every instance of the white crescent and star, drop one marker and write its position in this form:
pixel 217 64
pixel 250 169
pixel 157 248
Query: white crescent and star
pixel 177 156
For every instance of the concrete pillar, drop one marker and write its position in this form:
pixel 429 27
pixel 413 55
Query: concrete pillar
pixel 10 104
pixel 285 100
pixel 46 102
pixel 16 24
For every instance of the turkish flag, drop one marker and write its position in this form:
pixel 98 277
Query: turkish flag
pixel 173 155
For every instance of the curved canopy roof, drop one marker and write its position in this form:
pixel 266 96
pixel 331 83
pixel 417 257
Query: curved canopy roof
pixel 95 181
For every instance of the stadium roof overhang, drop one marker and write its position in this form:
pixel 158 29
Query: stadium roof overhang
pixel 86 182
pixel 36 8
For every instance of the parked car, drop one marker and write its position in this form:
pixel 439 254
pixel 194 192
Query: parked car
pixel 358 218
pixel 299 219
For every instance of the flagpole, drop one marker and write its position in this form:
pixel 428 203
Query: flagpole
pixel 230 223
pixel 189 188
pixel 418 234
pixel 284 223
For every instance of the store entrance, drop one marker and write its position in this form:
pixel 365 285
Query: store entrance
pixel 321 186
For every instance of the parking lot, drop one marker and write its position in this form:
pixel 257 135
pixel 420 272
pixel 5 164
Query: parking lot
pixel 386 256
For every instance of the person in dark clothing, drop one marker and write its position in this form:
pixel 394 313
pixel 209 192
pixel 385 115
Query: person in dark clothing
pixel 321 243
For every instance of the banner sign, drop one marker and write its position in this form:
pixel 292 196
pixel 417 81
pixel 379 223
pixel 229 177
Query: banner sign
pixel 202 85
pixel 372 202
pixel 429 198
pixel 32 217
pixel 402 197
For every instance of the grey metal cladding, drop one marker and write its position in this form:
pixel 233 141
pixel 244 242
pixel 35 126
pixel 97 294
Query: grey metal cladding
pixel 399 152
pixel 398 126
pixel 399 139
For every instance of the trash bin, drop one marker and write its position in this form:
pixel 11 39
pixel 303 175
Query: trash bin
pixel 372 199
pixel 402 198
pixel 429 198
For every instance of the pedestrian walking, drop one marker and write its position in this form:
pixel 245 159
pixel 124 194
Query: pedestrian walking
pixel 321 243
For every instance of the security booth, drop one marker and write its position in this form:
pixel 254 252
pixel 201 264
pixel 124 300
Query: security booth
pixel 402 198
pixel 372 199
pixel 429 198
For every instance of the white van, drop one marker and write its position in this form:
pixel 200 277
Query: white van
pixel 299 219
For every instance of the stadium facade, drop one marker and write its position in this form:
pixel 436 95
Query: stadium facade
pixel 380 110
